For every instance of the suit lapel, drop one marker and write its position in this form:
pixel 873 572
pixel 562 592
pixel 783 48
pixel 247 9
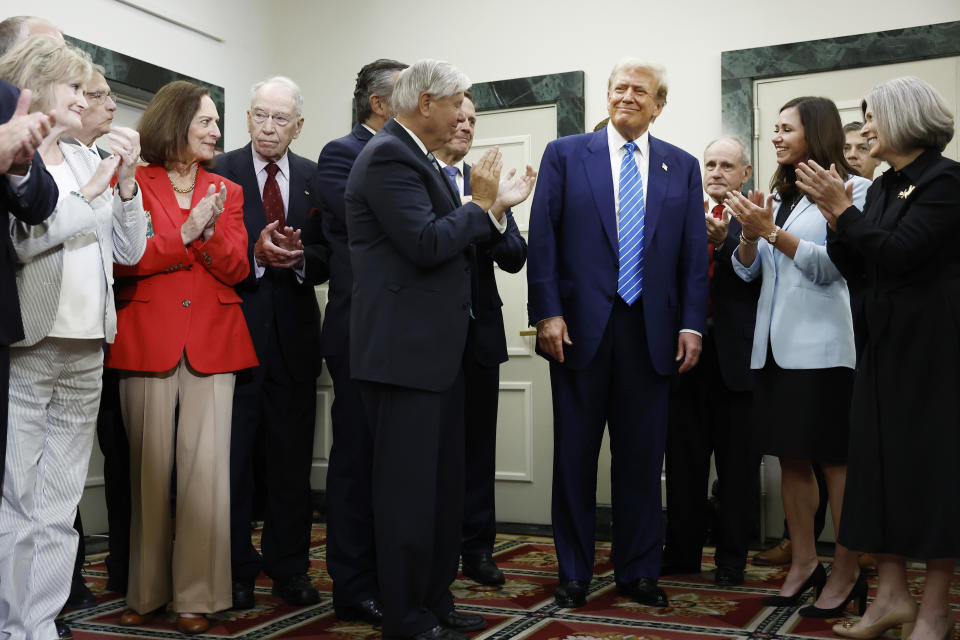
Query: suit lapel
pixel 797 210
pixel 597 165
pixel 162 189
pixel 299 206
pixel 466 179
pixel 658 178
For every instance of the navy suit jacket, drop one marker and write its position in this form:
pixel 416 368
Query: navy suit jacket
pixel 734 311
pixel 409 248
pixel 509 251
pixel 278 300
pixel 334 166
pixel 33 206
pixel 573 266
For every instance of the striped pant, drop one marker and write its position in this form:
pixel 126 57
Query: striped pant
pixel 54 395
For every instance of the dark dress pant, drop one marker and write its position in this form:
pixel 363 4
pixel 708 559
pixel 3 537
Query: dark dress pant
pixel 706 417
pixel 351 554
pixel 621 389
pixel 268 398
pixel 112 437
pixel 4 391
pixel 417 500
pixel 481 396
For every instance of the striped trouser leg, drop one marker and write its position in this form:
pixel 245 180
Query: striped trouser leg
pixel 54 396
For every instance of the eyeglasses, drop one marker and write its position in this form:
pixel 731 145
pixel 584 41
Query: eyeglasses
pixel 279 119
pixel 97 96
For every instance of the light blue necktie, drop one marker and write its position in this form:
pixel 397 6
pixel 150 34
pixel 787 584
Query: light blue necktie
pixel 452 172
pixel 630 228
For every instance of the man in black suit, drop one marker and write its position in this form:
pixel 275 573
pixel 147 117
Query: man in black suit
pixel 351 558
pixel 486 349
pixel 711 405
pixel 410 240
pixel 288 256
pixel 29 193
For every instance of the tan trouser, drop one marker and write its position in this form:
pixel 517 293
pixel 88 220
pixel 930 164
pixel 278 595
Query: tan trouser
pixel 198 579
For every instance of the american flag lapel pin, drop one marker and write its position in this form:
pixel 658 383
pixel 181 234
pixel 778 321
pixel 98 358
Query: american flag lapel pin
pixel 663 165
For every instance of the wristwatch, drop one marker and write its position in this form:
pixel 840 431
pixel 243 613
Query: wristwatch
pixel 772 236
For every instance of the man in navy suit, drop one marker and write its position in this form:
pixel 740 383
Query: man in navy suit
pixel 618 292
pixel 410 240
pixel 29 193
pixel 288 257
pixel 486 349
pixel 711 406
pixel 351 558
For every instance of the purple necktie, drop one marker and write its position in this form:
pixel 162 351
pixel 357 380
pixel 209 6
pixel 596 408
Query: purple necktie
pixel 452 174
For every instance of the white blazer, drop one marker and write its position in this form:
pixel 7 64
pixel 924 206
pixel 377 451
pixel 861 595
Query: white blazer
pixel 121 230
pixel 804 305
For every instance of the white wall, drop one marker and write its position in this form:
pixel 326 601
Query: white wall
pixel 234 64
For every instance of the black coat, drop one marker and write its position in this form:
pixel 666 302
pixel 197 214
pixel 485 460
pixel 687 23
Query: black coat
pixel 278 300
pixel 901 259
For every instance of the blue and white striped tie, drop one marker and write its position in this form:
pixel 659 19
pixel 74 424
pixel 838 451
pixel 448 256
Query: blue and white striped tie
pixel 630 228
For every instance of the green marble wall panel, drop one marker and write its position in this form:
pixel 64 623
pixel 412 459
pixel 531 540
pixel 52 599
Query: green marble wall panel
pixel 140 80
pixel 739 69
pixel 562 89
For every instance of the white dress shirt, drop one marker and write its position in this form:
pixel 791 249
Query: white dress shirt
pixel 641 156
pixel 283 181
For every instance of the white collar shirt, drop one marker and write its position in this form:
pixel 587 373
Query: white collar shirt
pixel 615 143
pixel 283 175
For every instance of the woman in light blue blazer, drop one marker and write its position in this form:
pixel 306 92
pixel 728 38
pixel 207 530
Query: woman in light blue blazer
pixel 803 348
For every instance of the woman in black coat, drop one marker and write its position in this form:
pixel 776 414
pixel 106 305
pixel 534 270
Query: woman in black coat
pixel 902 262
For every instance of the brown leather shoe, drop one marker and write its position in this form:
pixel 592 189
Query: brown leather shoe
pixel 131 618
pixel 192 626
pixel 782 553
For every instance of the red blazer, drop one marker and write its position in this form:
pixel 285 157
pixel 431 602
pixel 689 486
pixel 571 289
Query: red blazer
pixel 180 299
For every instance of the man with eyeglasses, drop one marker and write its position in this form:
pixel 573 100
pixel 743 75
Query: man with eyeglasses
pixel 274 404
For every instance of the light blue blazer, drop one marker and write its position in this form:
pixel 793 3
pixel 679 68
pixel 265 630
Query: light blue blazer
pixel 804 305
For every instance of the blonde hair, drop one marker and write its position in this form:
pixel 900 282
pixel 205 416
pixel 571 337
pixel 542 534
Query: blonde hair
pixel 41 62
pixel 635 64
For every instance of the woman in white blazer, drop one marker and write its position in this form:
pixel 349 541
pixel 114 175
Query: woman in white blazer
pixel 803 347
pixel 66 302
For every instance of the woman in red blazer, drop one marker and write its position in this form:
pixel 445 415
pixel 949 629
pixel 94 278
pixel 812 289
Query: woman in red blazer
pixel 181 337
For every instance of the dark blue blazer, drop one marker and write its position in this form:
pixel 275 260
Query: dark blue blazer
pixel 573 266
pixel 409 247
pixel 334 166
pixel 32 206
pixel 509 251
pixel 278 299
pixel 734 311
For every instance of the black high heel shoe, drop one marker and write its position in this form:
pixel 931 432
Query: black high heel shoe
pixel 858 592
pixel 816 580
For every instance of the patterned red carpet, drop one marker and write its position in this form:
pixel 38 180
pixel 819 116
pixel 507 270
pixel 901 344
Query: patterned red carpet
pixel 523 608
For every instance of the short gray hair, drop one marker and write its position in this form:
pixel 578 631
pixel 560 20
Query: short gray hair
pixel 436 77
pixel 12 30
pixel 659 74
pixel 744 153
pixel 910 114
pixel 283 81
pixel 856 125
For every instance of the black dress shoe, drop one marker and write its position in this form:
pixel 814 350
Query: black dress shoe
pixel 117 585
pixel 80 595
pixel 297 590
pixel 482 569
pixel 63 631
pixel 644 591
pixel 368 611
pixel 571 594
pixel 440 633
pixel 676 568
pixel 243 595
pixel 463 621
pixel 728 577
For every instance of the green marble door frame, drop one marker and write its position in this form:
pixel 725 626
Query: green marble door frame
pixel 738 69
pixel 133 78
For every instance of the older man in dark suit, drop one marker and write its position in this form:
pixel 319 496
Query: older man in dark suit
pixel 486 349
pixel 711 406
pixel 28 193
pixel 351 558
pixel 618 291
pixel 409 246
pixel 288 256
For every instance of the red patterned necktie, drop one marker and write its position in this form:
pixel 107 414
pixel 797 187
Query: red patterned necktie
pixel 718 214
pixel 272 200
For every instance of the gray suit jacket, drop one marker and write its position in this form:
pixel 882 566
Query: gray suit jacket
pixel 121 231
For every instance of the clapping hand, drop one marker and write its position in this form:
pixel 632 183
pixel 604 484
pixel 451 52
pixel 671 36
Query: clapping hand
pixel 276 248
pixel 203 216
pixel 21 135
pixel 514 189
pixel 126 147
pixel 754 212
pixel 826 189
pixel 716 227
pixel 485 178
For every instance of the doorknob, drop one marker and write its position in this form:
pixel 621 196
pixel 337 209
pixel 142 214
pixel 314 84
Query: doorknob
pixel 528 332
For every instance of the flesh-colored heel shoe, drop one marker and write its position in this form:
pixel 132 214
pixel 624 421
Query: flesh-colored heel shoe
pixel 904 613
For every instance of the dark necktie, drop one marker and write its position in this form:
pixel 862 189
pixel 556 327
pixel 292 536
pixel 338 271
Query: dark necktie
pixel 717 212
pixel 272 199
pixel 452 174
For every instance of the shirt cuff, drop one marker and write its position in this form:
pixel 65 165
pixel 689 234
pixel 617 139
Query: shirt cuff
pixel 301 272
pixel 500 225
pixel 693 331
pixel 258 270
pixel 18 182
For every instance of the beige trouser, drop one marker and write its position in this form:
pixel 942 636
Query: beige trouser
pixel 198 579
